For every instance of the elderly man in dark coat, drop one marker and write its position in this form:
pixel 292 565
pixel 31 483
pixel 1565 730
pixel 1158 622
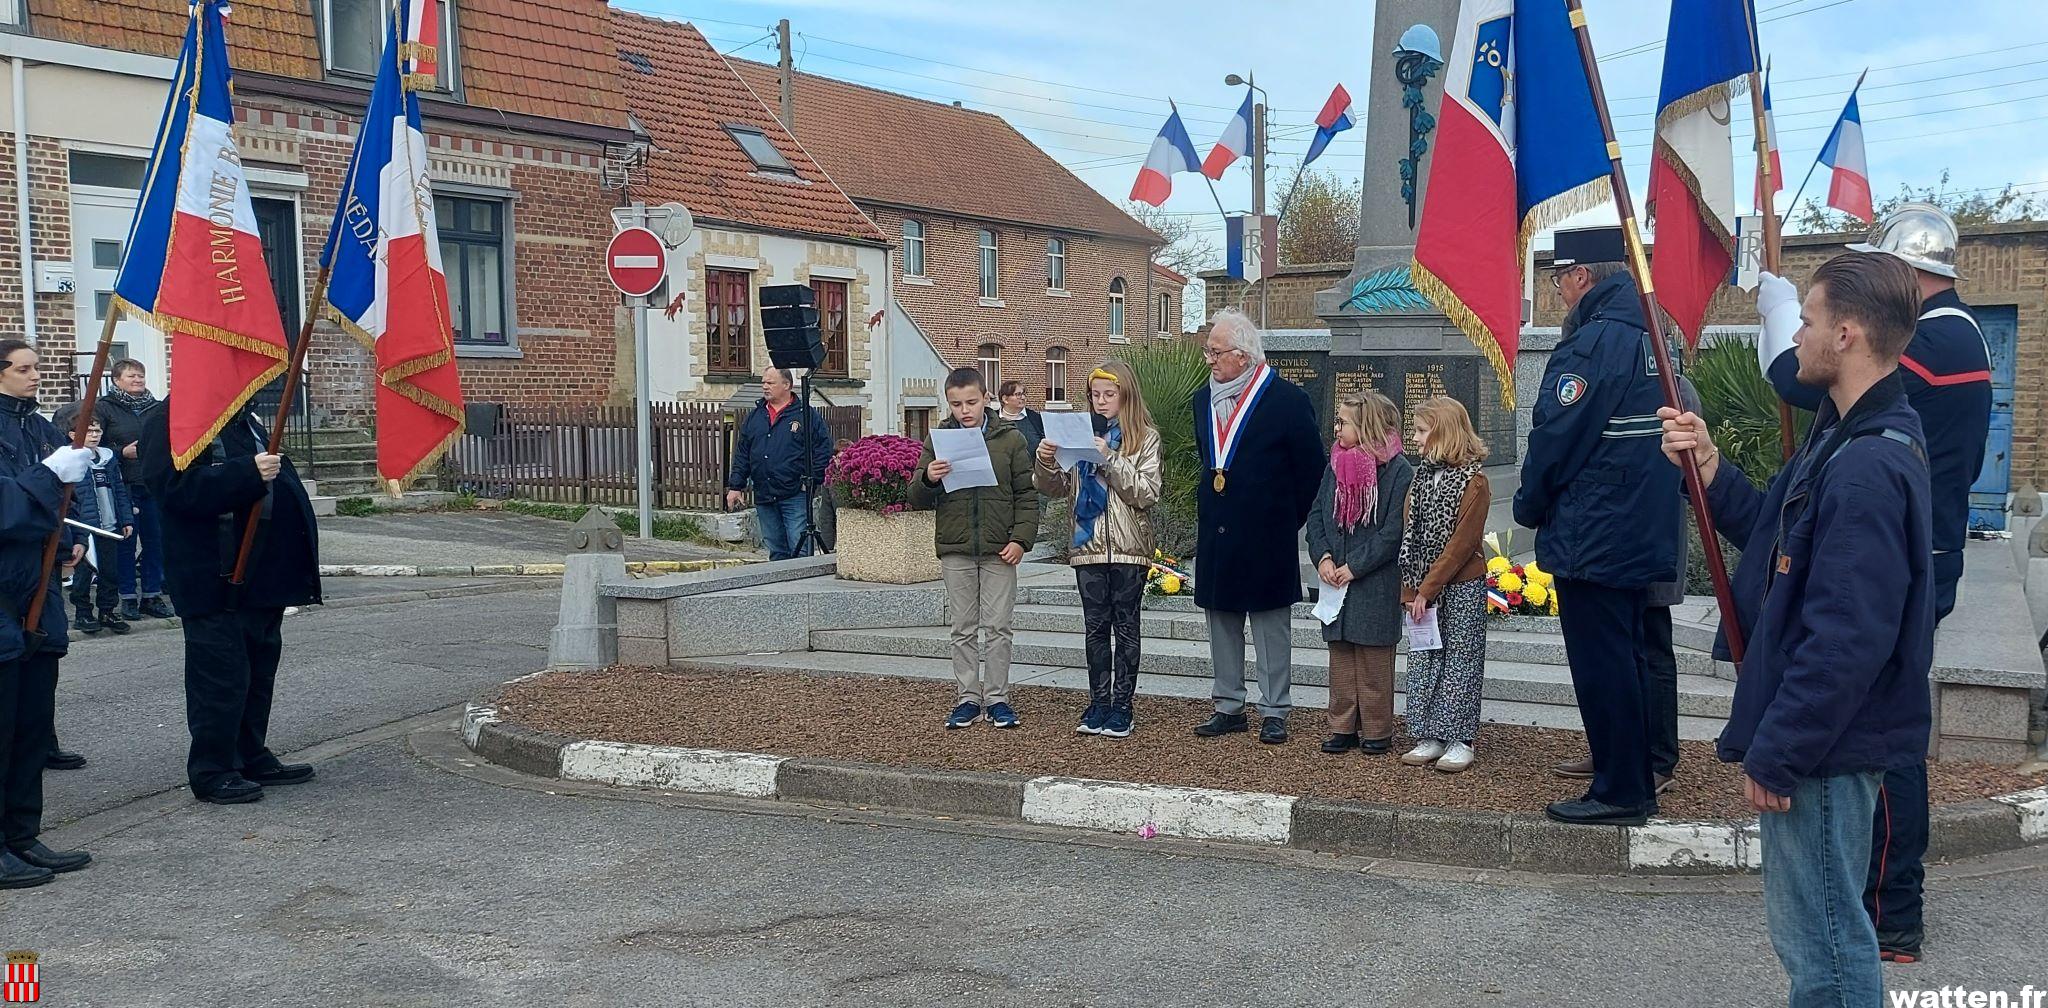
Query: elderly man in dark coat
pixel 1262 454
pixel 233 635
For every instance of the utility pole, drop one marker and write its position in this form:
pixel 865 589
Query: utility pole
pixel 1269 244
pixel 787 73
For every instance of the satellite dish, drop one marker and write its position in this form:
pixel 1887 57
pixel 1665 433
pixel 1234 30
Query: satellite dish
pixel 676 227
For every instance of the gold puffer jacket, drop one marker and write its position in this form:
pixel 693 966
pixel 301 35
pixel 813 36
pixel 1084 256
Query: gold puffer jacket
pixel 1123 534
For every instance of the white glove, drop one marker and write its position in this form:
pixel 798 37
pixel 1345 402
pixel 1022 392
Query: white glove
pixel 70 464
pixel 1777 305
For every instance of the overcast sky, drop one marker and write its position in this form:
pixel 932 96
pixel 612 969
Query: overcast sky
pixel 1961 85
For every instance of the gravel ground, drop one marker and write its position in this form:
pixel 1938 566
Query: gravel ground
pixel 870 719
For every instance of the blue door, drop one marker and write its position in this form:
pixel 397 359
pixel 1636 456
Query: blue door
pixel 1994 481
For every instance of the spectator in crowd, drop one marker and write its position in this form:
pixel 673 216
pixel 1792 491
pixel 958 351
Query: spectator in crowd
pixel 233 634
pixel 1027 420
pixel 103 503
pixel 35 464
pixel 121 412
pixel 1263 460
pixel 1111 505
pixel 1354 538
pixel 1833 690
pixel 982 535
pixel 1441 568
pixel 783 445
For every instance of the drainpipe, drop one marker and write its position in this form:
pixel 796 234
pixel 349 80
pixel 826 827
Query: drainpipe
pixel 21 220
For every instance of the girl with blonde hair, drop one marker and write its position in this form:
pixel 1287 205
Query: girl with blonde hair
pixel 1441 568
pixel 1112 546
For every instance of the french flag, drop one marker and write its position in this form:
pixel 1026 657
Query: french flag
pixel 194 267
pixel 1692 173
pixel 1764 203
pixel 1236 139
pixel 1172 153
pixel 1849 190
pixel 1335 118
pixel 387 286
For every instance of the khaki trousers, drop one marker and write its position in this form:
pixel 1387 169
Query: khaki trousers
pixel 981 595
pixel 1361 690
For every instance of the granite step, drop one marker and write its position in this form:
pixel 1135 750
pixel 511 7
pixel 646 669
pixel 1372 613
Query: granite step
pixel 1523 682
pixel 1306 697
pixel 1536 647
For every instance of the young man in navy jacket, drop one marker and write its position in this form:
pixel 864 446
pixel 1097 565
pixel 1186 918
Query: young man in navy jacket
pixel 1833 685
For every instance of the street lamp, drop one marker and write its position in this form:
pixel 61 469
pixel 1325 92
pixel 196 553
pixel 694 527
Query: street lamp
pixel 1269 244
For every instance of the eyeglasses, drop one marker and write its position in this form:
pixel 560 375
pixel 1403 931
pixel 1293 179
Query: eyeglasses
pixel 1208 354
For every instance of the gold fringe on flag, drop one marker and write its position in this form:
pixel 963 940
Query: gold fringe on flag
pixel 1578 200
pixel 172 326
pixel 1448 302
pixel 1664 152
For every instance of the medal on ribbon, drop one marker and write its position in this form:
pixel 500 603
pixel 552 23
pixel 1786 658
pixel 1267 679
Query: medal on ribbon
pixel 1226 435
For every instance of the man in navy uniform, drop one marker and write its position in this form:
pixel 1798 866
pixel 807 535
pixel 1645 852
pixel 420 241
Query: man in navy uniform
pixel 1947 374
pixel 1599 494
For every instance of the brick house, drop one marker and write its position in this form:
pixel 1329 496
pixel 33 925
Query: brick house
pixel 529 114
pixel 1001 257
pixel 766 213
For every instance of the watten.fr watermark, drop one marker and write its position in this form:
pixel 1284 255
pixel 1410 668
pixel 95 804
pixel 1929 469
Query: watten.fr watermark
pixel 2029 996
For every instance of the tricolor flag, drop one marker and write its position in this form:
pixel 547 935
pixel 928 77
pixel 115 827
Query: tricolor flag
pixel 1172 153
pixel 1335 118
pixel 194 267
pixel 1764 204
pixel 1519 149
pixel 1692 166
pixel 1849 189
pixel 387 287
pixel 1236 139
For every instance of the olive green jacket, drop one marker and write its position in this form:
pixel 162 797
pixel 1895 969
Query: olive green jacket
pixel 979 522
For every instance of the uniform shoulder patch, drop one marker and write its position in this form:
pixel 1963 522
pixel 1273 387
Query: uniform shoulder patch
pixel 1570 389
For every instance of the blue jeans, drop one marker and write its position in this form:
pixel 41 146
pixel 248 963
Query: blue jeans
pixel 782 527
pixel 1815 857
pixel 149 536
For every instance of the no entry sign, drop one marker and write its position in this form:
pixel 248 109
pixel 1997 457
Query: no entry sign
pixel 636 262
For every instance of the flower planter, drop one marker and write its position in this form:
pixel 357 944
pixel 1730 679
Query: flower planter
pixel 888 548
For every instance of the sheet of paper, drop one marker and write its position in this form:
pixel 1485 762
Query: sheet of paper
pixel 1329 602
pixel 1423 634
pixel 1073 435
pixel 966 450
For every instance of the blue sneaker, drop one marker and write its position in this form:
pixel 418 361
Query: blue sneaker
pixel 966 714
pixel 1118 724
pixel 1000 715
pixel 1091 722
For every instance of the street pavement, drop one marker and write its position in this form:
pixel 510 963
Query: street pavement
pixel 410 874
pixel 474 538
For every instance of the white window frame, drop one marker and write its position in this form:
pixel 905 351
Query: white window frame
pixel 1055 375
pixel 913 247
pixel 13 15
pixel 1165 310
pixel 991 368
pixel 1056 264
pixel 445 58
pixel 991 266
pixel 1116 308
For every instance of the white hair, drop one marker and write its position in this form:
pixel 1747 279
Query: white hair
pixel 1243 335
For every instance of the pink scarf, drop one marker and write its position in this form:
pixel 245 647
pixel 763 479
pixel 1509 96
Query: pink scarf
pixel 1358 477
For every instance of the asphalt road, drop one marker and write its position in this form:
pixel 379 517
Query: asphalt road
pixel 408 874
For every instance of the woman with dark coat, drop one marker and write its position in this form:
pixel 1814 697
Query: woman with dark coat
pixel 35 464
pixel 1354 538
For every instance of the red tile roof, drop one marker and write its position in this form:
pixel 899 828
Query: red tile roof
pixel 890 148
pixel 552 59
pixel 1169 275
pixel 685 98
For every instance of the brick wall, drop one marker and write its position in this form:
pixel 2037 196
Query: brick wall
pixel 1290 295
pixel 947 303
pixel 50 240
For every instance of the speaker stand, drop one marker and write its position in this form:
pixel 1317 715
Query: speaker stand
pixel 812 539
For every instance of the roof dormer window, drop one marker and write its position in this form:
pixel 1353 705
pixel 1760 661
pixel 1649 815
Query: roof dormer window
pixel 760 150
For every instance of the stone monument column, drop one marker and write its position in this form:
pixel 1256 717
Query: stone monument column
pixel 1383 333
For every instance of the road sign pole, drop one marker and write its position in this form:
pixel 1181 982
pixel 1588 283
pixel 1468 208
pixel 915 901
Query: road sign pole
pixel 643 396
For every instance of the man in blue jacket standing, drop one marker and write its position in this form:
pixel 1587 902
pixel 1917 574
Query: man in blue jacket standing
pixel 1946 370
pixel 782 443
pixel 1601 502
pixel 1833 685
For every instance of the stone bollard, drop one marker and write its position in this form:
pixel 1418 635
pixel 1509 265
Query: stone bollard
pixel 587 630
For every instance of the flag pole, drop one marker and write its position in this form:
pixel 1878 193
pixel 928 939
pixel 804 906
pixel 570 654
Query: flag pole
pixel 1220 212
pixel 1801 191
pixel 34 617
pixel 1639 264
pixel 294 362
pixel 1773 238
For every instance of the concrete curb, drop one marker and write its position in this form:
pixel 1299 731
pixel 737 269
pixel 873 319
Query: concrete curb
pixel 522 570
pixel 1435 836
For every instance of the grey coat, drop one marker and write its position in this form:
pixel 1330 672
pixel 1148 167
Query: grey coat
pixel 1372 603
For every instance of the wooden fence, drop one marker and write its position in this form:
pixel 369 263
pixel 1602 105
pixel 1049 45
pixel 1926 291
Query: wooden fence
pixel 590 454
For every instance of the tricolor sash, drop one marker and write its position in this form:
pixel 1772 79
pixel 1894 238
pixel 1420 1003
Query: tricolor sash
pixel 1227 431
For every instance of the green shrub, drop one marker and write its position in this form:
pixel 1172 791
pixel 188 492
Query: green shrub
pixel 355 507
pixel 1742 408
pixel 1172 374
